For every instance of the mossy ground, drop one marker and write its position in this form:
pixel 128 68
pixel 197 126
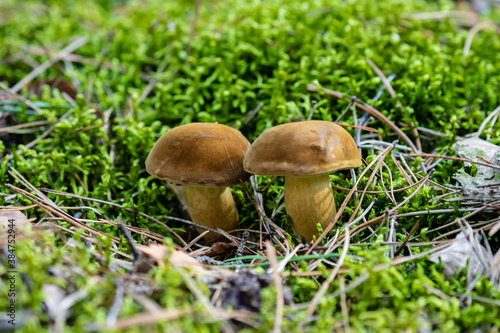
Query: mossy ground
pixel 239 54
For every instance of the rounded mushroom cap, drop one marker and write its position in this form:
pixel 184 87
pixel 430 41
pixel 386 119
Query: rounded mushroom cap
pixel 200 154
pixel 302 149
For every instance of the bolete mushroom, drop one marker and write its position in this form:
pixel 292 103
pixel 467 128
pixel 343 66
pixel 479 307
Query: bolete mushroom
pixel 305 153
pixel 205 158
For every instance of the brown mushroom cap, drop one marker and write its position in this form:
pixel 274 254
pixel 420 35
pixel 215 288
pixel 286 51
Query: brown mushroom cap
pixel 200 154
pixel 302 149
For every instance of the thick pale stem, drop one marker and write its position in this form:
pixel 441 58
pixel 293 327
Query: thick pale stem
pixel 309 200
pixel 212 207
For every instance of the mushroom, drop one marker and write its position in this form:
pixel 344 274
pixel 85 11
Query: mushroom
pixel 305 153
pixel 205 158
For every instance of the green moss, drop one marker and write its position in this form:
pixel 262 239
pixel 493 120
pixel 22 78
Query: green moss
pixel 240 54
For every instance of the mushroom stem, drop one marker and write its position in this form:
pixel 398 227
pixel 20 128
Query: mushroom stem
pixel 309 200
pixel 212 207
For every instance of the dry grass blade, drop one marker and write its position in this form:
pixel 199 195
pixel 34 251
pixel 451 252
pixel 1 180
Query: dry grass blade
pixel 462 159
pixel 51 207
pixel 11 129
pixel 18 208
pixel 42 136
pixel 402 203
pixel 380 74
pixel 475 29
pixel 343 305
pixel 20 98
pixel 364 213
pixel 330 246
pixel 390 195
pixel 78 59
pixel 194 241
pixel 313 108
pixel 131 210
pixel 366 224
pixel 377 160
pixel 282 264
pixel 370 179
pixel 148 318
pixel 143 232
pixel 391 91
pixel 490 117
pixel 93 240
pixel 324 288
pixel 193 25
pixel 494 229
pixel 380 192
pixel 115 308
pixel 412 231
pixel 371 110
pixel 252 114
pixel 469 17
pixel 258 202
pixel 40 69
pixel 66 304
pixel 150 86
pixel 364 128
pixel 402 260
pixel 278 318
pixel 259 210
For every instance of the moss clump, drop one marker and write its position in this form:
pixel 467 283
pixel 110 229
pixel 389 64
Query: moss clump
pixel 143 69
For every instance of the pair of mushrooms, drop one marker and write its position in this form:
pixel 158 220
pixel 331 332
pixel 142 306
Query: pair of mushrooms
pixel 207 158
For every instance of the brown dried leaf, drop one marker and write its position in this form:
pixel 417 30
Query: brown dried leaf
pixel 221 250
pixel 155 251
pixel 177 258
pixel 181 259
pixel 465 249
pixel 35 87
pixel 16 216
